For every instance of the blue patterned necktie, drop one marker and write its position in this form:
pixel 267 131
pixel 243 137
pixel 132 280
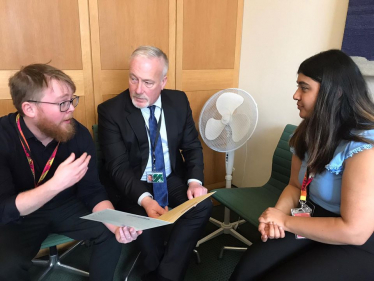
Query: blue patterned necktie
pixel 160 190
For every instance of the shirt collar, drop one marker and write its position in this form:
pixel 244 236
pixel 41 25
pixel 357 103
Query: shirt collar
pixel 157 103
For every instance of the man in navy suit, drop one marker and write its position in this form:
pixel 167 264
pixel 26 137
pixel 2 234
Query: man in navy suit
pixel 125 127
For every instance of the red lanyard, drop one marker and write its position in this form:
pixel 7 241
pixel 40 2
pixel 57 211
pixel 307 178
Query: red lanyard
pixel 308 178
pixel 27 150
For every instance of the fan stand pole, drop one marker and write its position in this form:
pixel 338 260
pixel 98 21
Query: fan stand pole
pixel 226 227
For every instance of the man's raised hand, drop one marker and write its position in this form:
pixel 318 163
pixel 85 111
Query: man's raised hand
pixel 71 171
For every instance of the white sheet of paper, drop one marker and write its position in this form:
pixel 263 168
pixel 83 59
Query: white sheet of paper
pixel 119 218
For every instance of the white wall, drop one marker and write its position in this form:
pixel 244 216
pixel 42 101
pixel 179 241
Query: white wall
pixel 277 36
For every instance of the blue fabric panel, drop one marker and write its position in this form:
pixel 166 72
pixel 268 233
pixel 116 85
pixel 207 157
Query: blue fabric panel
pixel 359 29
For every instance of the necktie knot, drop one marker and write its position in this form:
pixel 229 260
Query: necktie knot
pixel 152 109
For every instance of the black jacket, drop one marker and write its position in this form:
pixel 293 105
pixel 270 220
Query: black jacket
pixel 124 142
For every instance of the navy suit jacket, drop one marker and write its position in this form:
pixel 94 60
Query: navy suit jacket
pixel 124 141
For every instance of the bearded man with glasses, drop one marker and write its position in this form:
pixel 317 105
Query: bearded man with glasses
pixel 48 177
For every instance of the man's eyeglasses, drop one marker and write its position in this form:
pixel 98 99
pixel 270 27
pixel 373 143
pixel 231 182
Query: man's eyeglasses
pixel 64 105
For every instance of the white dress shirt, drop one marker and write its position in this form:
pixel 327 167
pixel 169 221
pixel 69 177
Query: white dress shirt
pixel 164 141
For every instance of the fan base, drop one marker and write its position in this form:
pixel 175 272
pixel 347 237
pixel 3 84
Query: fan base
pixel 225 228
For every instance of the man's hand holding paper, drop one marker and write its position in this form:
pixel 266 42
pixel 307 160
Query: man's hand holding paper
pixel 195 189
pixel 153 209
pixel 127 234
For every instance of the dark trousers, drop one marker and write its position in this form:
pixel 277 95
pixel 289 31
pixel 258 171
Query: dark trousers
pixel 20 241
pixel 171 261
pixel 303 259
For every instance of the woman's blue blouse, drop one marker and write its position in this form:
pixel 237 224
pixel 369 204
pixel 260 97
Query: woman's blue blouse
pixel 325 189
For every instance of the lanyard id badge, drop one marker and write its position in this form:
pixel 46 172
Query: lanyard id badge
pixel 305 210
pixel 155 177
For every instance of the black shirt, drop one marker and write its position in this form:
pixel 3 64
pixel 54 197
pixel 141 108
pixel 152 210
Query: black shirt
pixel 16 175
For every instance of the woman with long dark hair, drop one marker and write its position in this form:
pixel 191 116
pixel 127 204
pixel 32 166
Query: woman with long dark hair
pixel 322 225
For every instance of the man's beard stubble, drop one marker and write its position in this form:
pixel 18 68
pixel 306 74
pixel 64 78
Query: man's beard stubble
pixel 58 133
pixel 134 102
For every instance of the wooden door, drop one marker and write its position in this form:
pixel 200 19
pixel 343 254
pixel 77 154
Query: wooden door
pixel 207 60
pixel 54 32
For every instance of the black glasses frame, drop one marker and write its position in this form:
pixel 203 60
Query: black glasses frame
pixel 71 101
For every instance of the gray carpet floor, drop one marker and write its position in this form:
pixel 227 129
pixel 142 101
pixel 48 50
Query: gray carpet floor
pixel 210 268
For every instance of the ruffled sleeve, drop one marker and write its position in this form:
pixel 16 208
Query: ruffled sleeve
pixel 347 149
pixel 292 149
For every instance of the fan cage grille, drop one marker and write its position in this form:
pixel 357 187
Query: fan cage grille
pixel 224 142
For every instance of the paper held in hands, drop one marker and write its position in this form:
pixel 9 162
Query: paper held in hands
pixel 119 218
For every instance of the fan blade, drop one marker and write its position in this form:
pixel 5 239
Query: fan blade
pixel 239 124
pixel 228 102
pixel 213 128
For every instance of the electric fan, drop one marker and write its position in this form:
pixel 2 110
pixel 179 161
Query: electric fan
pixel 227 121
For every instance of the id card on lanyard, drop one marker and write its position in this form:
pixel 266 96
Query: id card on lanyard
pixel 27 151
pixel 304 210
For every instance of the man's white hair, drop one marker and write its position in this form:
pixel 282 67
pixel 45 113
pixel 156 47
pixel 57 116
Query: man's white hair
pixel 152 52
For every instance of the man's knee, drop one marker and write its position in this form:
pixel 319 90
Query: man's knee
pixel 205 205
pixel 203 209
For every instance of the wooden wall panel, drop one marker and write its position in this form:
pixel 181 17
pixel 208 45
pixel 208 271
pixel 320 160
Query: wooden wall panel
pixel 207 61
pixel 125 25
pixel 43 31
pixel 107 97
pixel 6 107
pixel 195 80
pixel 213 64
pixel 38 32
pixel 89 101
pixel 114 82
pixel 209 33
pixel 4 79
pixel 117 28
